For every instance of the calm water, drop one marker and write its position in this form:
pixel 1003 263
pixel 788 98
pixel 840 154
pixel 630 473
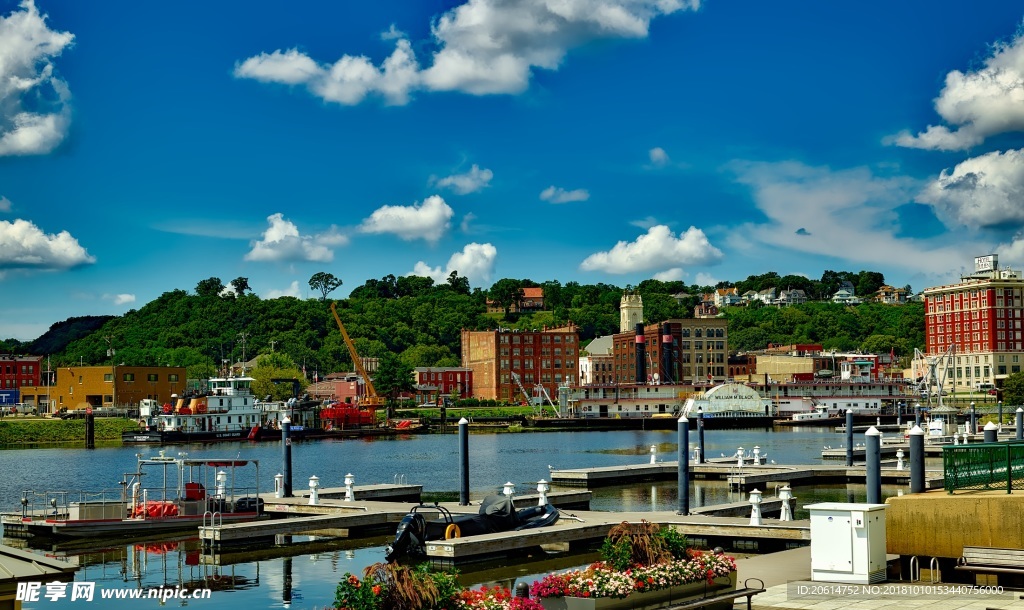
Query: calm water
pixel 307 580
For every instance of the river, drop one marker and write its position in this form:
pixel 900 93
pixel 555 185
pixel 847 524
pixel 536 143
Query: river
pixel 308 580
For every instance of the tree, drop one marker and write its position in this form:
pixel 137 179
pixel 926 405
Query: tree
pixel 506 292
pixel 240 285
pixel 459 284
pixel 1013 389
pixel 392 378
pixel 324 283
pixel 210 287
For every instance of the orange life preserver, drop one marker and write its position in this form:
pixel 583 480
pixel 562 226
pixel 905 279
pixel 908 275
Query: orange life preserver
pixel 452 531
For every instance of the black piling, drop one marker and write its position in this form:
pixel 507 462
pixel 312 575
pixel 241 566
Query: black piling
pixel 1000 412
pixel 90 430
pixel 463 462
pixel 873 457
pixel 683 468
pixel 1020 423
pixel 974 420
pixel 849 437
pixel 286 456
pixel 916 460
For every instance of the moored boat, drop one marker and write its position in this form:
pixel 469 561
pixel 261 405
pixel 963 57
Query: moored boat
pixel 179 494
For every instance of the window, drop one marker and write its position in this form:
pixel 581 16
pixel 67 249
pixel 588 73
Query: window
pixel 108 376
pixel 172 377
pixel 128 377
pixel 152 377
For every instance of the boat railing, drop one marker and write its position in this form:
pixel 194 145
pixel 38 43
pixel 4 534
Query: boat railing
pixel 63 505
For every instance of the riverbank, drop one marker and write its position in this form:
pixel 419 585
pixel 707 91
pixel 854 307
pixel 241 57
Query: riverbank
pixel 17 431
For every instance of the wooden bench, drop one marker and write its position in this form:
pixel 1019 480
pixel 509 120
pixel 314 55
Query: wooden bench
pixel 747 591
pixel 988 560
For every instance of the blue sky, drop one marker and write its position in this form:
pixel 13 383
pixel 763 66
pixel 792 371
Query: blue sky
pixel 145 146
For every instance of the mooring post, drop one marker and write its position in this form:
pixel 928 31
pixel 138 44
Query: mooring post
pixel 916 460
pixel 464 462
pixel 849 438
pixel 974 422
pixel 286 455
pixel 1000 412
pixel 90 429
pixel 700 435
pixel 990 432
pixel 873 458
pixel 917 415
pixel 1020 423
pixel 683 468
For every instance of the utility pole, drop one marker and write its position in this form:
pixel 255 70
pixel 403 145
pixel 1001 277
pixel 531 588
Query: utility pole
pixel 244 335
pixel 272 344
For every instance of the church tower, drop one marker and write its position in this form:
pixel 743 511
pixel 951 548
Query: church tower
pixel 631 312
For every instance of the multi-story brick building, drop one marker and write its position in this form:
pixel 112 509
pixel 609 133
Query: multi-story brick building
pixel 976 325
pixel 17 372
pixel 548 357
pixel 95 386
pixel 698 352
pixel 444 380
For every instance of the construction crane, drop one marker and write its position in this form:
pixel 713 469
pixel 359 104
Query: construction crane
pixel 371 399
pixel 519 383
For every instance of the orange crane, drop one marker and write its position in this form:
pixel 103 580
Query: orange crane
pixel 371 400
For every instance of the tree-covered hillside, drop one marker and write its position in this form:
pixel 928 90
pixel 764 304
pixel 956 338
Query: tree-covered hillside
pixel 421 322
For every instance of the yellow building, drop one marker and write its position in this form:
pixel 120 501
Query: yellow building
pixel 76 387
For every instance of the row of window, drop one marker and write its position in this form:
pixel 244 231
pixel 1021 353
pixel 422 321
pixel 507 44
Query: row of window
pixel 12 369
pixel 529 364
pixel 544 339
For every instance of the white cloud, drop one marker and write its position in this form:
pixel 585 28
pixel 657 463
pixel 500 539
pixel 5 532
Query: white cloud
pixel 659 248
pixel 466 226
pixel 428 221
pixel 979 103
pixel 483 47
pixel 706 279
pixel 658 157
pixel 474 180
pixel 5 204
pixel 645 223
pixel 984 191
pixel 393 33
pixel 120 299
pixel 291 291
pixel 670 275
pixel 557 194
pixel 24 246
pixel 845 213
pixel 34 104
pixel 282 242
pixel 476 262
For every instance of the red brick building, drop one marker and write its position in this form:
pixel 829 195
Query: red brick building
pixel 697 352
pixel 446 381
pixel 17 372
pixel 549 357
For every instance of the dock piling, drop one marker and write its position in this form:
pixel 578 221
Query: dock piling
pixel 873 456
pixel 849 438
pixel 286 456
pixel 974 421
pixel 916 460
pixel 990 432
pixel 464 462
pixel 1020 423
pixel 90 429
pixel 683 465
pixel 700 435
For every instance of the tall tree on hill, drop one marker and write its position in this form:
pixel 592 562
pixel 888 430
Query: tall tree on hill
pixel 392 378
pixel 324 283
pixel 209 287
pixel 506 292
pixel 459 284
pixel 240 285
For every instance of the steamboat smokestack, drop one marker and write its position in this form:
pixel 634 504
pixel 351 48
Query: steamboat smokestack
pixel 641 354
pixel 667 372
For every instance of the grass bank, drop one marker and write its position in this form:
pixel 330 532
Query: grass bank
pixel 35 431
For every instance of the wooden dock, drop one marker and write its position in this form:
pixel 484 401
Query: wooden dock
pixel 746 478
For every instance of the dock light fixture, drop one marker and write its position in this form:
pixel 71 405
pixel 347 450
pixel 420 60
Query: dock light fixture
pixel 542 489
pixel 755 507
pixel 654 454
pixel 786 495
pixel 509 489
pixel 350 494
pixel 899 459
pixel 739 456
pixel 222 483
pixel 757 455
pixel 314 493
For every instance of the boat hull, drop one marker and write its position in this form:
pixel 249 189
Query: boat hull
pixel 170 437
pixel 122 528
pixel 650 423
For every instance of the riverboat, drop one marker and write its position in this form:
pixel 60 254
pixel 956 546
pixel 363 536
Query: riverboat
pixel 855 389
pixel 163 494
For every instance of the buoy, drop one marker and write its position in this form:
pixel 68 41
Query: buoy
pixel 452 531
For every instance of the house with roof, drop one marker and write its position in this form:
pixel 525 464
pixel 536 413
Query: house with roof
pixel 705 309
pixel 891 296
pixel 724 297
pixel 748 296
pixel 792 296
pixel 766 296
pixel 845 297
pixel 530 299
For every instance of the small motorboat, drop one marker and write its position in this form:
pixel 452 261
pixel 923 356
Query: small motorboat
pixel 496 514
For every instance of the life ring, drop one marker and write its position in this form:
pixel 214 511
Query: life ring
pixel 142 423
pixel 201 408
pixel 328 425
pixel 167 409
pixel 452 531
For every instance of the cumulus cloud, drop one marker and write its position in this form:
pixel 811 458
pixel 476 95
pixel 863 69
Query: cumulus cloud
pixel 645 223
pixel 5 204
pixel 34 102
pixel 670 275
pixel 466 226
pixel 984 191
pixel 658 157
pixel 826 212
pixel 557 194
pixel 120 299
pixel 291 291
pixel 474 180
pixel 428 221
pixel 979 103
pixel 282 242
pixel 482 47
pixel 24 246
pixel 659 248
pixel 706 279
pixel 475 261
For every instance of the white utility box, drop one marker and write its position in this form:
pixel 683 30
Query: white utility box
pixel 847 542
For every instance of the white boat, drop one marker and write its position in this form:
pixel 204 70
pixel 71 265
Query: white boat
pixel 854 389
pixel 729 401
pixel 819 413
pixel 163 494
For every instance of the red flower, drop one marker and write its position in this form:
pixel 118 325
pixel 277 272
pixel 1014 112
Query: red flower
pixel 376 589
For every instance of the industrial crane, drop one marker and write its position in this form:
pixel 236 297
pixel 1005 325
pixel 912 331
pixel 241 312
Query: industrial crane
pixel 371 399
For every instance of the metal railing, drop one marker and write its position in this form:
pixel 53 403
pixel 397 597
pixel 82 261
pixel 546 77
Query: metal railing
pixel 984 466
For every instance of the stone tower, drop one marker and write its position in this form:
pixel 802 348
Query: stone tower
pixel 631 312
